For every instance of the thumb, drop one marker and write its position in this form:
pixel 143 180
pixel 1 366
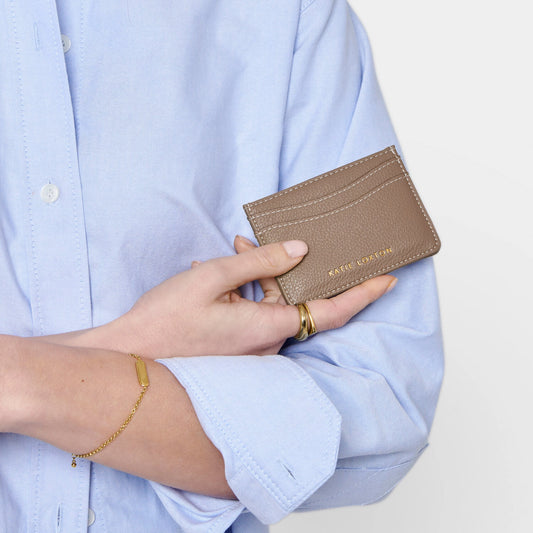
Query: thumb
pixel 267 261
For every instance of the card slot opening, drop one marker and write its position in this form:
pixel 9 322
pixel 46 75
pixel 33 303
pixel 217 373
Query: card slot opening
pixel 315 201
pixel 289 190
pixel 353 203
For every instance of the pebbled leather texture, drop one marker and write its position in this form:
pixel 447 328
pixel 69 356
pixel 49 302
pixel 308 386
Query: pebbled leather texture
pixel 359 221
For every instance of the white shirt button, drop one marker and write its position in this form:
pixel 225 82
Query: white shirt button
pixel 65 41
pixel 91 518
pixel 49 193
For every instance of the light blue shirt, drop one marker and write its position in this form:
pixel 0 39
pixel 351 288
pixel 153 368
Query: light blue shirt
pixel 129 154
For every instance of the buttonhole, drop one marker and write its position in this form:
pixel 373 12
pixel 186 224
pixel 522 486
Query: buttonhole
pixel 288 470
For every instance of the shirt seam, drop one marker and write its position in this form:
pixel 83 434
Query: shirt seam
pixel 77 221
pixel 33 276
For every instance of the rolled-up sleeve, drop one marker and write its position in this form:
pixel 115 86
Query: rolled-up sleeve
pixel 277 431
pixel 341 418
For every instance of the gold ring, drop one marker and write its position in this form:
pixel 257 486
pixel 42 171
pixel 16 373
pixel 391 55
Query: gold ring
pixel 303 333
pixel 311 327
pixel 307 324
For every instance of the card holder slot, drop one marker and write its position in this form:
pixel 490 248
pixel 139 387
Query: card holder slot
pixel 321 185
pixel 354 189
pixel 332 211
pixel 318 191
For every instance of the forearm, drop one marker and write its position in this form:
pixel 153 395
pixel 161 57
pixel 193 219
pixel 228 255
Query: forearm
pixel 119 335
pixel 74 398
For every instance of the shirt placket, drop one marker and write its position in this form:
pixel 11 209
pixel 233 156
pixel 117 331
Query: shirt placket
pixel 55 227
pixel 49 185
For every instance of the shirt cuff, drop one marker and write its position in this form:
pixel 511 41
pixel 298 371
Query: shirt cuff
pixel 278 432
pixel 196 513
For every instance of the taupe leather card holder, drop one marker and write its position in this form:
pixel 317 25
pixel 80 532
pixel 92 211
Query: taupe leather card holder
pixel 359 221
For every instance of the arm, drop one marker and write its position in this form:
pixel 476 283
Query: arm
pixel 341 418
pixel 383 371
pixel 75 397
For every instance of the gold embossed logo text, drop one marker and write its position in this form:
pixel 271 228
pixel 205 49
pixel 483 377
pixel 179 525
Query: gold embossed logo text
pixel 362 261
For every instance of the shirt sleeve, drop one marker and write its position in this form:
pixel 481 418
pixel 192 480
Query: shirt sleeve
pixel 340 418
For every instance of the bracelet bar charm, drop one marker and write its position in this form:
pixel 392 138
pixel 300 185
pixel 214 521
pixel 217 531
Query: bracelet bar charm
pixel 142 374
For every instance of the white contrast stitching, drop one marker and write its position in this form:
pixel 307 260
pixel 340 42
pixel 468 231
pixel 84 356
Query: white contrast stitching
pixel 317 178
pixel 340 191
pixel 334 212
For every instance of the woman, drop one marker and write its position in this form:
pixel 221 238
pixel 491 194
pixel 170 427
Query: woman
pixel 130 137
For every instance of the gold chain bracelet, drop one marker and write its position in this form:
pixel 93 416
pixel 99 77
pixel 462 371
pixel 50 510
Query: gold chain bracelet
pixel 144 382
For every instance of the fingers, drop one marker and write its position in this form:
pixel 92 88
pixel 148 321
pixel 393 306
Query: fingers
pixel 335 312
pixel 264 263
pixel 227 273
pixel 241 244
pixel 270 287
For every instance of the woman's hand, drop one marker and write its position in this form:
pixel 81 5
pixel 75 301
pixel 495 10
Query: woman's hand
pixel 334 312
pixel 201 311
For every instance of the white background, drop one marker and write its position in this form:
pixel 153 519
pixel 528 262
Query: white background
pixel 457 79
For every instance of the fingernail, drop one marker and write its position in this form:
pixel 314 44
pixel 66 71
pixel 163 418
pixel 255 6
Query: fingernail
pixel 244 239
pixel 295 248
pixel 391 285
